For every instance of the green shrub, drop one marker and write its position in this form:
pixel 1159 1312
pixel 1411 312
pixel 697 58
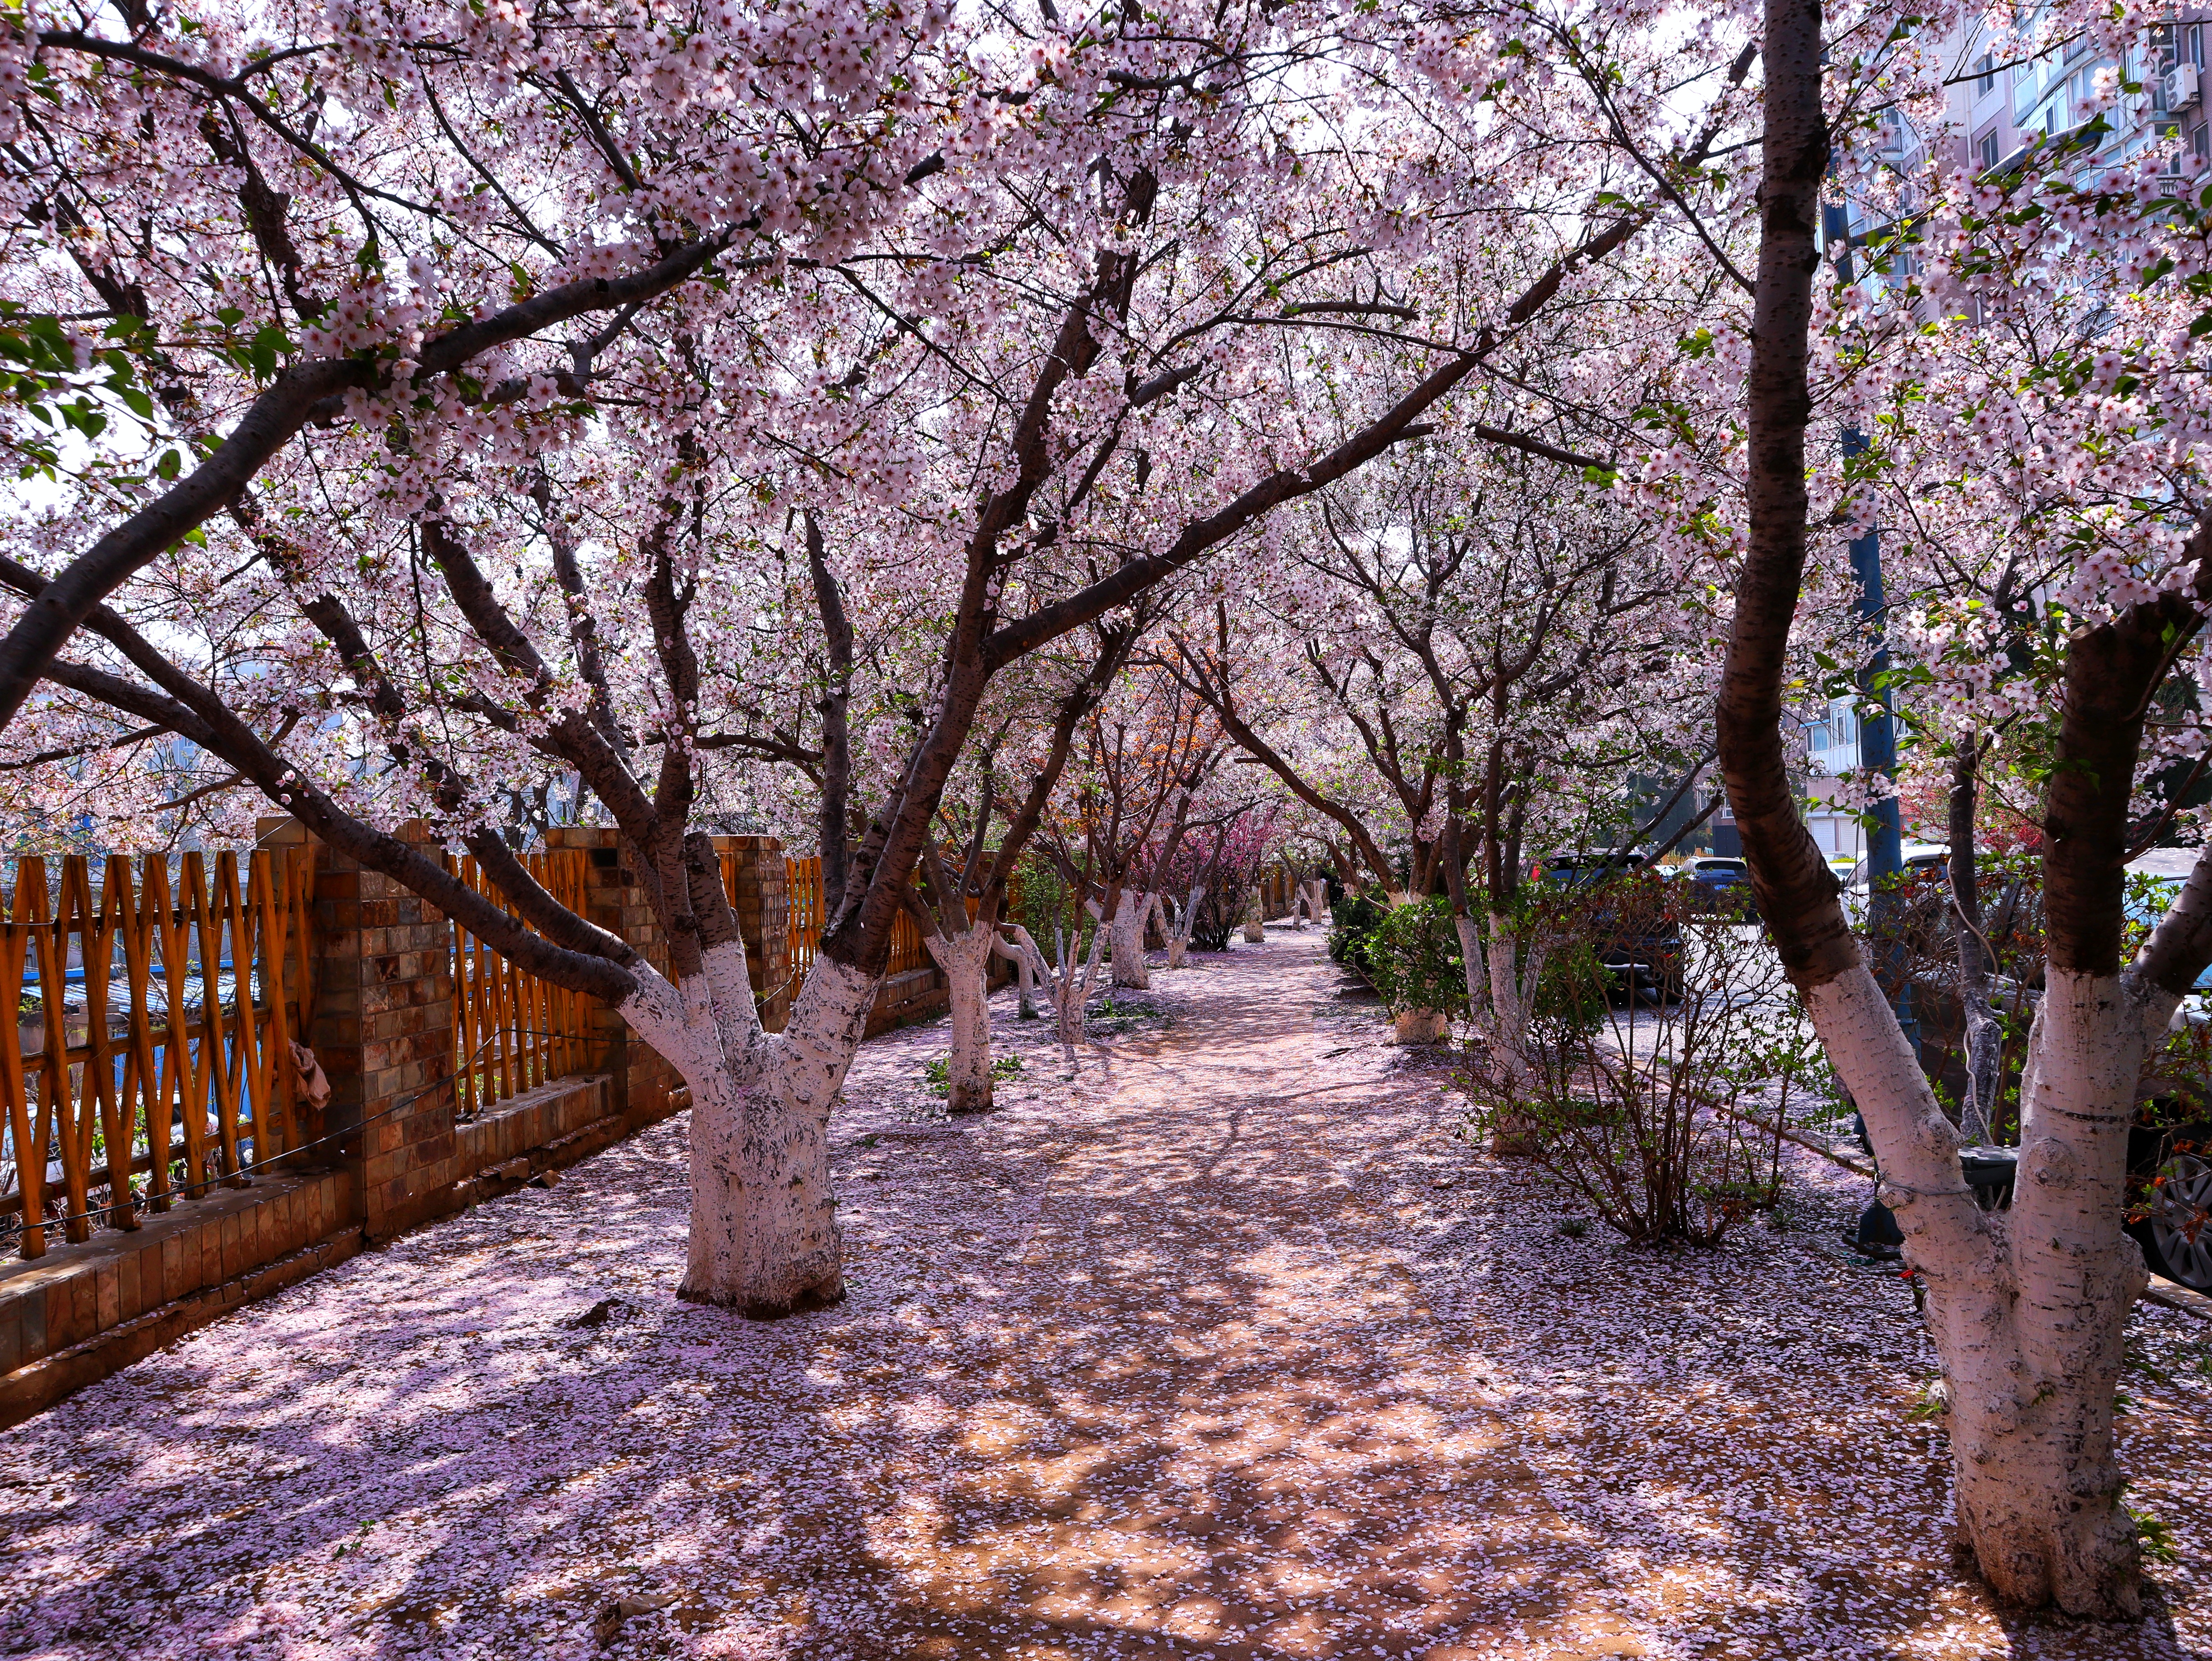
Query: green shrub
pixel 1046 901
pixel 1352 920
pixel 1413 958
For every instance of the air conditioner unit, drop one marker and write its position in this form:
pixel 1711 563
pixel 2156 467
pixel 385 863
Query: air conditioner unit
pixel 2181 86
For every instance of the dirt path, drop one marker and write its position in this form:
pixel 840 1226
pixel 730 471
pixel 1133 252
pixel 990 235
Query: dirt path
pixel 1227 1421
pixel 1230 1349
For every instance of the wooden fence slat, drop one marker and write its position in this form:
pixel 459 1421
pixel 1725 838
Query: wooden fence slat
pixel 50 937
pixel 181 1078
pixel 30 1149
pixel 116 1127
pixel 277 1048
pixel 513 1031
pixel 102 1091
pixel 217 1068
pixel 134 925
pixel 250 1080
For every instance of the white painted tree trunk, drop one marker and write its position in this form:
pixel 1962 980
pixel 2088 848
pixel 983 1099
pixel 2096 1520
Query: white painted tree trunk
pixel 1515 968
pixel 965 957
pixel 1130 912
pixel 1476 969
pixel 1311 904
pixel 1501 996
pixel 2028 1309
pixel 1255 923
pixel 1178 928
pixel 1069 983
pixel 1025 975
pixel 763 1235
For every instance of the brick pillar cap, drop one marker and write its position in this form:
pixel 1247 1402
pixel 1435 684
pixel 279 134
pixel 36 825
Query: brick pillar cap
pixel 747 844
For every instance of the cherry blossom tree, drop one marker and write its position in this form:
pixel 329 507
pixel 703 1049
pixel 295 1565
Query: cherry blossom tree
pixel 2085 446
pixel 1473 645
pixel 390 643
pixel 1146 758
pixel 960 914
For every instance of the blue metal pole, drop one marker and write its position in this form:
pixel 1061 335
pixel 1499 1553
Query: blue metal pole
pixel 1878 1232
pixel 1877 725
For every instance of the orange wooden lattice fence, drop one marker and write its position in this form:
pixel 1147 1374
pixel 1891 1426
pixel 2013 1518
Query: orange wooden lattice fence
pixel 513 1031
pixel 152 1031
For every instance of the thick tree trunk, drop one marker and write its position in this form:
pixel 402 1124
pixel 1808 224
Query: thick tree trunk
pixel 1255 924
pixel 2038 1491
pixel 965 957
pixel 1130 912
pixel 1513 996
pixel 763 1237
pixel 2028 1309
pixel 1501 996
pixel 2025 1308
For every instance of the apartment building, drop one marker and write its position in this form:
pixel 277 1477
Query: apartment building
pixel 1999 109
pixel 2002 109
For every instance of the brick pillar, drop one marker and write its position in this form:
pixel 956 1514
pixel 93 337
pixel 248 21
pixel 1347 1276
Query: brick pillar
pixel 614 900
pixel 383 1030
pixel 764 909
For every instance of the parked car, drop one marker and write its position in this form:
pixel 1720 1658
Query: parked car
pixel 1917 859
pixel 2173 1163
pixel 1580 868
pixel 1639 944
pixel 1720 883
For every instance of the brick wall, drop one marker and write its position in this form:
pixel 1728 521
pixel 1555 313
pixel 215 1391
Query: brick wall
pixel 392 1155
pixel 614 901
pixel 383 1030
pixel 764 911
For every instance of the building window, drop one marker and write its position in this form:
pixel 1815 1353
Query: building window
pixel 2200 143
pixel 1985 75
pixel 1985 150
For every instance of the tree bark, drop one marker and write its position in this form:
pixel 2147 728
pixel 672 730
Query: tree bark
pixel 1985 1033
pixel 965 957
pixel 763 1237
pixel 2025 1308
pixel 1130 912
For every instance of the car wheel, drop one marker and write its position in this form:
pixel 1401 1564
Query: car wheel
pixel 2176 1235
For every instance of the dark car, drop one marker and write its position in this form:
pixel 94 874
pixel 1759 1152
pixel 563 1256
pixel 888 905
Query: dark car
pixel 1639 940
pixel 2170 1168
pixel 1719 884
pixel 2169 1174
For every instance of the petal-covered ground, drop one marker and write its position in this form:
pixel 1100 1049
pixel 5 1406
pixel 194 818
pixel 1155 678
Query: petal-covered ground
pixel 1230 1348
